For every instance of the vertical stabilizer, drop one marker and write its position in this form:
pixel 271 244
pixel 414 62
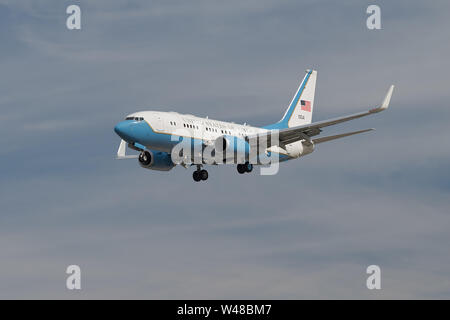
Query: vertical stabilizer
pixel 301 107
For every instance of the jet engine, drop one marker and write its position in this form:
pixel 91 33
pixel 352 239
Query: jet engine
pixel 155 160
pixel 299 148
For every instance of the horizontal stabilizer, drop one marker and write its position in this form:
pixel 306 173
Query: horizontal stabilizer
pixel 329 138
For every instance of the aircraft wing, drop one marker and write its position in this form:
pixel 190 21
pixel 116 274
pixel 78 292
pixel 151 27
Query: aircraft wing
pixel 305 132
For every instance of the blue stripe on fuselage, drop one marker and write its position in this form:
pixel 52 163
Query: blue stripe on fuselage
pixel 140 132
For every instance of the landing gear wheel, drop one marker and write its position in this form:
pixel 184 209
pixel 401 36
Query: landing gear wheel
pixel 204 175
pixel 145 158
pixel 241 168
pixel 196 176
pixel 248 167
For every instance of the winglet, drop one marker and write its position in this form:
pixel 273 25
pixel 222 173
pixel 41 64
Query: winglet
pixel 122 148
pixel 386 101
pixel 121 153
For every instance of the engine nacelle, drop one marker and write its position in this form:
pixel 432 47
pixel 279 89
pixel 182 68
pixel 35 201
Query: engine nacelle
pixel 299 148
pixel 232 144
pixel 156 160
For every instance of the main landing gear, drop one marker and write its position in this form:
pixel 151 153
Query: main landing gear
pixel 200 174
pixel 243 168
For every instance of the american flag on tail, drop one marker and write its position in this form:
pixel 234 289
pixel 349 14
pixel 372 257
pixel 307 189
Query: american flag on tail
pixel 306 105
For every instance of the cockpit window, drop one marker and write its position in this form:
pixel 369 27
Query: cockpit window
pixel 134 118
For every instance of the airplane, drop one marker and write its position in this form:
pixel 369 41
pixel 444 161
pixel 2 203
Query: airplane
pixel 155 135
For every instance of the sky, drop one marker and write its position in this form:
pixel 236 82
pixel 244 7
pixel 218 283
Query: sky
pixel 308 232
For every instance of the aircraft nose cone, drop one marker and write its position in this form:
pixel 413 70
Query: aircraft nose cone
pixel 123 130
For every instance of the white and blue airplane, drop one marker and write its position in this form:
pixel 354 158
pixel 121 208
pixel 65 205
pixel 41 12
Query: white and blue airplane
pixel 155 135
